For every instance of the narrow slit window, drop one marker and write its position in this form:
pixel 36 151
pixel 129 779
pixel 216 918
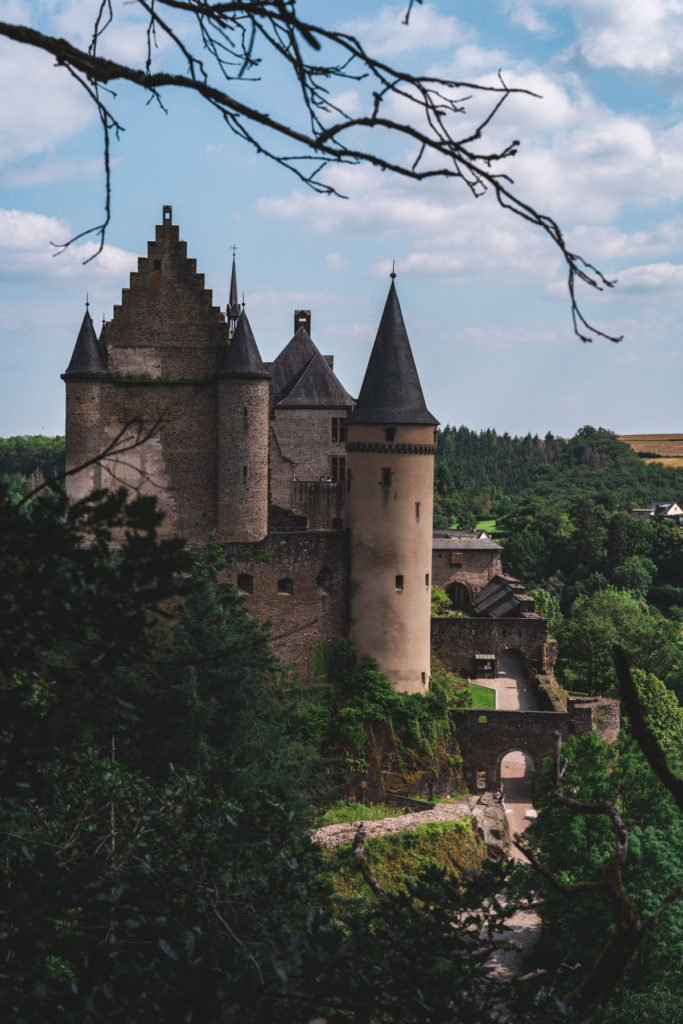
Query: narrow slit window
pixel 390 434
pixel 417 510
pixel 399 582
pixel 386 478
pixel 426 579
pixel 244 472
pixel 424 678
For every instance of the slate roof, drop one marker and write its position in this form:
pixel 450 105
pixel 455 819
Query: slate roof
pixel 463 540
pixel 242 358
pixel 391 391
pixel 300 376
pixel 503 597
pixel 317 386
pixel 89 358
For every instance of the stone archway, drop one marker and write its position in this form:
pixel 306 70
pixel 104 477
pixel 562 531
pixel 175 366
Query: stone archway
pixel 515 772
pixel 511 662
pixel 459 593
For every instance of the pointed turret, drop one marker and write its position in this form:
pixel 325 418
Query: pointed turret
pixel 233 308
pixel 391 391
pixel 89 357
pixel 242 358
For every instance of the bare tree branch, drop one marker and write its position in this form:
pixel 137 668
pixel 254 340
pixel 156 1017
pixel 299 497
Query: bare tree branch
pixel 229 42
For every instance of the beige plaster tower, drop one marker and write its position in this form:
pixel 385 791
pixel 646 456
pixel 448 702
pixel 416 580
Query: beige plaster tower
pixel 390 459
pixel 243 420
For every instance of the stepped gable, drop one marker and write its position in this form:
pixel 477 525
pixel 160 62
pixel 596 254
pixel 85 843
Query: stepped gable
pixel 391 391
pixel 317 386
pixel 166 326
pixel 290 364
pixel 242 358
pixel 89 358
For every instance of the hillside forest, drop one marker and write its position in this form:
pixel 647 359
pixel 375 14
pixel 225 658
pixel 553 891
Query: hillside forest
pixel 161 770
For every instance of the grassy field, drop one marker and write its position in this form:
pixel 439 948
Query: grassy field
pixel 342 812
pixel 483 697
pixel 665 448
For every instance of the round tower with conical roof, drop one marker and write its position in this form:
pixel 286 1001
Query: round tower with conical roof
pixel 84 378
pixel 390 459
pixel 243 415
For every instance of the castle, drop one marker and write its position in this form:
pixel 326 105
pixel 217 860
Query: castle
pixel 323 503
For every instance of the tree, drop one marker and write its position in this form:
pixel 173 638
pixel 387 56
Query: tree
pixel 223 43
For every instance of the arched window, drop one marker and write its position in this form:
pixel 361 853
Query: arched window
pixel 245 583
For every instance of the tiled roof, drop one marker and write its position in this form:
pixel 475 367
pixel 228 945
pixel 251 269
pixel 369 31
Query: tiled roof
pixel 89 357
pixel 502 597
pixel 391 391
pixel 242 358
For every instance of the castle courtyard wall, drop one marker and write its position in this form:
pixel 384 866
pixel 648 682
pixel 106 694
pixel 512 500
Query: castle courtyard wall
pixel 298 582
pixel 456 641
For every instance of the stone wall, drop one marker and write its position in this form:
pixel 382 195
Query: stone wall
pixel 299 582
pixel 457 640
pixel 485 737
pixel 301 450
pixel 474 568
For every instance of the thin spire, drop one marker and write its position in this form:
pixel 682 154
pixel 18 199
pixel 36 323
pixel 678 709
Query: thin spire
pixel 233 309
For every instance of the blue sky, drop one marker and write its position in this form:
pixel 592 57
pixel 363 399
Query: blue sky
pixel 483 295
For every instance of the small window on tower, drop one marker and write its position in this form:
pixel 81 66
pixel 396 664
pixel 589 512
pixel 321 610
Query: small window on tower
pixel 285 585
pixel 426 579
pixel 157 264
pixel 424 678
pixel 417 510
pixel 337 469
pixel 245 412
pixel 244 472
pixel 386 478
pixel 399 582
pixel 390 434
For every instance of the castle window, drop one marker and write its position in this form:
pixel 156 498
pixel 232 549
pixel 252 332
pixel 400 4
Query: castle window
pixel 386 478
pixel 337 429
pixel 244 471
pixel 157 264
pixel 456 558
pixel 399 582
pixel 285 585
pixel 417 510
pixel 337 469
pixel 426 579
pixel 390 434
pixel 245 583
pixel 424 678
pixel 245 412
pixel 324 580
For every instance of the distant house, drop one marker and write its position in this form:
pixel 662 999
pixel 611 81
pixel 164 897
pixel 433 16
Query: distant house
pixel 658 509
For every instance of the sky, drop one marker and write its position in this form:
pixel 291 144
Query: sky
pixel 483 294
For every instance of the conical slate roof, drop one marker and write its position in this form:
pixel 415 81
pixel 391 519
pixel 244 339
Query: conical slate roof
pixel 290 364
pixel 242 358
pixel 391 391
pixel 89 357
pixel 317 386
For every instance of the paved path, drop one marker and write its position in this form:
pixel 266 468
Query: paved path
pixel 513 691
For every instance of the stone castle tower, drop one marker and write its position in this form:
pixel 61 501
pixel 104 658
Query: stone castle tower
pixel 324 505
pixel 390 456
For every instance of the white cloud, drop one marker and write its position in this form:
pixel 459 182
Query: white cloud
pixel 635 35
pixel 526 14
pixel 651 280
pixel 26 252
pixel 386 33
pixel 49 171
pixel 336 262
pixel 41 105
